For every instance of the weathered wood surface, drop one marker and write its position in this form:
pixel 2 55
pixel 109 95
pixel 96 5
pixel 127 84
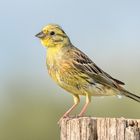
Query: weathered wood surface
pixel 90 128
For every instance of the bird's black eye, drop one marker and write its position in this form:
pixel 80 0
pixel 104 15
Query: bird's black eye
pixel 52 33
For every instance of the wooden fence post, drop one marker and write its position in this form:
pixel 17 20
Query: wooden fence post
pixel 90 128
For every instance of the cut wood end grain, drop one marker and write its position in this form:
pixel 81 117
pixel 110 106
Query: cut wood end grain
pixel 92 128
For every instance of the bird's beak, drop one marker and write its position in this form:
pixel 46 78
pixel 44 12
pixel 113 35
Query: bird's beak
pixel 41 35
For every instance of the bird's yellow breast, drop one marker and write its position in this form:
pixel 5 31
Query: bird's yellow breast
pixel 64 75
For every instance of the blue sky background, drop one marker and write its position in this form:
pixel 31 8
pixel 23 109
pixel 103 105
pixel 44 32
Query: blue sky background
pixel 107 31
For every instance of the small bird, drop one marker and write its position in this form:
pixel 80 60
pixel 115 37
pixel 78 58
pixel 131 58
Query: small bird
pixel 74 71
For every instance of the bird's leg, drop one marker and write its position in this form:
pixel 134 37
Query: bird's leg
pixel 76 102
pixel 88 100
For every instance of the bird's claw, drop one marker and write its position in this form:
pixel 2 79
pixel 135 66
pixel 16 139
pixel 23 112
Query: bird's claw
pixel 60 120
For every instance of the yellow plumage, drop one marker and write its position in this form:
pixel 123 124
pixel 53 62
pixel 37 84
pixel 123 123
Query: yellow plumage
pixel 74 71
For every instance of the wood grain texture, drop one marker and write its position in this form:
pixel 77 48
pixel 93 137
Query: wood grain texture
pixel 90 128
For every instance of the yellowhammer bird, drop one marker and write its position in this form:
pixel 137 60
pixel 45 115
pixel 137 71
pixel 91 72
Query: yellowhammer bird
pixel 76 72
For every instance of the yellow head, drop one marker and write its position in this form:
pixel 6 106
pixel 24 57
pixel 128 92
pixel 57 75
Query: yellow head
pixel 52 35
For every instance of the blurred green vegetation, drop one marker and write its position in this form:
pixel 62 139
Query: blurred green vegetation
pixel 30 110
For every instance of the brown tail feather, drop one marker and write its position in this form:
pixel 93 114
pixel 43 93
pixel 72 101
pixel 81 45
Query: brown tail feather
pixel 131 95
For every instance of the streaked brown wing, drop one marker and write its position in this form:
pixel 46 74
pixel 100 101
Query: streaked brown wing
pixel 87 66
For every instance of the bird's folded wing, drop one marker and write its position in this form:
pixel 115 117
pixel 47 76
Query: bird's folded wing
pixel 89 68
